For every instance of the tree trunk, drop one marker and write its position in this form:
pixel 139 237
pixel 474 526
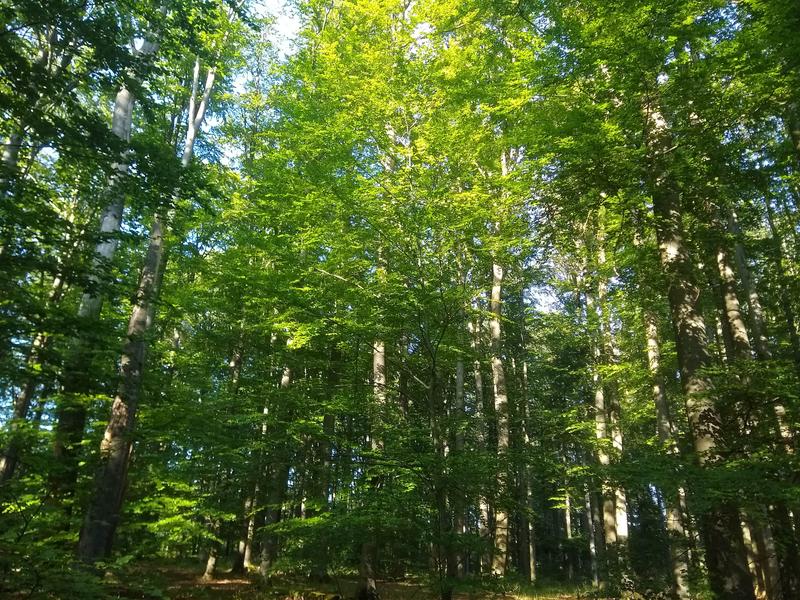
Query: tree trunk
pixel 102 516
pixel 501 525
pixel 71 410
pixel 22 403
pixel 674 518
pixel 105 503
pixel 722 535
pixel 367 589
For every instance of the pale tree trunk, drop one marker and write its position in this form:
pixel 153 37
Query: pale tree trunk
pixel 102 515
pixel 319 567
pixel 501 525
pixel 71 410
pixel 756 312
pixel 785 298
pixel 613 404
pixel 278 482
pixel 457 500
pixel 788 555
pixel 765 564
pixel 525 534
pixel 594 526
pixel 368 589
pixel 722 535
pixel 484 529
pixel 601 430
pixel 674 518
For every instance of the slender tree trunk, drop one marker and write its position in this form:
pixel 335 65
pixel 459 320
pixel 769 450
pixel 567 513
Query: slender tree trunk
pixel 102 516
pixel 275 495
pixel 22 403
pixel 594 525
pixel 484 529
pixel 457 500
pixel 501 524
pixel 674 518
pixel 105 504
pixel 319 567
pixel 368 589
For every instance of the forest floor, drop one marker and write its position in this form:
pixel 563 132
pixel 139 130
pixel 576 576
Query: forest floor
pixel 183 582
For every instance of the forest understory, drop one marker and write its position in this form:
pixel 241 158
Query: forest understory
pixel 183 580
pixel 416 298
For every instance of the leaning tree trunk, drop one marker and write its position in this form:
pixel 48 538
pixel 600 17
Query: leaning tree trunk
pixel 105 504
pixel 722 535
pixel 71 410
pixel 102 516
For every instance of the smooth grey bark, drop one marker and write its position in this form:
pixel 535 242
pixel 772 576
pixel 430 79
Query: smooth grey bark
pixel 484 529
pixel 71 410
pixel 367 586
pixel 278 480
pixel 722 535
pixel 102 515
pixel 501 517
pixel 665 429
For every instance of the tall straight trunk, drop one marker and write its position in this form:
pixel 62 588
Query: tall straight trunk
pixel 765 562
pixel 602 435
pixel 444 549
pixel 484 529
pixel 368 588
pixel 524 536
pixel 613 403
pixel 105 503
pixel 457 500
pixel 594 526
pixel 785 297
pixel 275 496
pixel 501 525
pixel 674 518
pixel 722 535
pixel 319 566
pixel 71 410
pixel 102 516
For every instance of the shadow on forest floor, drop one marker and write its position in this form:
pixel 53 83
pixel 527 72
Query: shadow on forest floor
pixel 183 582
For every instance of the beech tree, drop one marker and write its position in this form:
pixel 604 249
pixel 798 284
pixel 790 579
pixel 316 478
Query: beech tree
pixel 480 296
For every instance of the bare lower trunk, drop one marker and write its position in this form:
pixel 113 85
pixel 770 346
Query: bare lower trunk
pixel 722 535
pixel 71 409
pixel 674 518
pixel 102 515
pixel 501 524
pixel 595 527
pixel 367 588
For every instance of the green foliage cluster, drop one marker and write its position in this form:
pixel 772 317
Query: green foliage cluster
pixel 416 310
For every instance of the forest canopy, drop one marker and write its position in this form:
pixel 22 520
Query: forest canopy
pixel 477 297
